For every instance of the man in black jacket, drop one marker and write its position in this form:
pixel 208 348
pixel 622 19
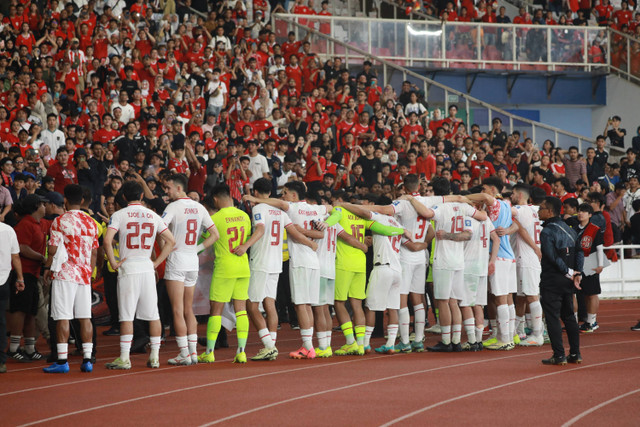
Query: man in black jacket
pixel 562 262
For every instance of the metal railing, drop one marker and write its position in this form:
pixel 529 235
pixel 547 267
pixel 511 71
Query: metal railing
pixel 624 57
pixel 436 94
pixel 399 11
pixel 435 44
pixel 621 279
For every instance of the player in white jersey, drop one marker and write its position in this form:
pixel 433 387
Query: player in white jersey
pixel 186 219
pixel 265 261
pixel 448 262
pixel 479 261
pixel 304 266
pixel 413 257
pixel 383 291
pixel 528 268
pixel 323 323
pixel 137 228
pixel 503 282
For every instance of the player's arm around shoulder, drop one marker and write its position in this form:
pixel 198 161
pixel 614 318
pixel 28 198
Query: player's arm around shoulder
pixel 294 232
pixel 276 203
pixel 258 232
pixel 352 241
pixel 168 243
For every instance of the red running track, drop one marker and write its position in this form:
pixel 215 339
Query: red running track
pixel 486 388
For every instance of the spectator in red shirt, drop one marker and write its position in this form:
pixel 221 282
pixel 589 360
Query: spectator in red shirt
pixel 62 171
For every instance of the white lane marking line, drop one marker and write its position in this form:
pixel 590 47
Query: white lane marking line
pixel 601 405
pixel 286 371
pixel 464 396
pixel 346 387
pixel 277 373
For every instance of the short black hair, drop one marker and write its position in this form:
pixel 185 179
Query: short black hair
pixel 131 191
pixel 179 179
pixel 554 204
pixel 298 187
pixel 494 181
pixel 263 186
pixel 411 182
pixel 537 195
pixel 585 207
pixel 441 186
pixel 220 190
pixel 73 194
pixel 595 196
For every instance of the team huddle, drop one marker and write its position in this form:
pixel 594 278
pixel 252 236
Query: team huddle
pixel 483 246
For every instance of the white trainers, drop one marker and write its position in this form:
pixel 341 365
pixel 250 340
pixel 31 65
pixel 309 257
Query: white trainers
pixel 532 341
pixel 194 358
pixel 180 360
pixel 435 329
pixel 266 354
pixel 153 363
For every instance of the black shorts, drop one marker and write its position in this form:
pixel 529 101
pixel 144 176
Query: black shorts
pixel 27 300
pixel 591 285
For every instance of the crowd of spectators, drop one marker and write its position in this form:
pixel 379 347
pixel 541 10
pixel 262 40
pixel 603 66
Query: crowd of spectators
pixel 109 91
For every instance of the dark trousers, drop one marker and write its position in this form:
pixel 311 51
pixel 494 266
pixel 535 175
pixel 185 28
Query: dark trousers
pixel 110 281
pixel 558 306
pixel 284 305
pixel 4 301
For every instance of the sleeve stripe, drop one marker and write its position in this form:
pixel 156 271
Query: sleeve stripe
pixel 113 228
pixel 212 226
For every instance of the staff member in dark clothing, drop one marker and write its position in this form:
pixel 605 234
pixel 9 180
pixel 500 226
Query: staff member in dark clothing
pixel 562 262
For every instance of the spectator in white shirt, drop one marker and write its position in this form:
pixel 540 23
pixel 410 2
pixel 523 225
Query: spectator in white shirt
pixel 52 136
pixel 127 110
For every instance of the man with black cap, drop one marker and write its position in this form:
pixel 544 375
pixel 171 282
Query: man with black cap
pixel 23 306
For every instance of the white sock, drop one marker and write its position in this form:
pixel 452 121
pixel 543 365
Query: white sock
pixel 470 329
pixel 307 338
pixel 528 318
pixel 512 321
pixel 63 350
pixel 192 344
pixel 125 346
pixel 392 333
pixel 328 337
pixel 183 346
pixel 479 331
pixel 494 328
pixel 368 331
pixel 14 342
pixel 274 336
pixel 591 319
pixel 30 345
pixel 320 338
pixel 536 318
pixel 420 318
pixel 502 317
pixel 446 334
pixel 520 325
pixel 87 349
pixel 325 340
pixel 456 333
pixel 403 323
pixel 155 347
pixel 265 337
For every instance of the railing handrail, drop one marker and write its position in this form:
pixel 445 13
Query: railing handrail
pixel 453 23
pixel 288 18
pixel 413 12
